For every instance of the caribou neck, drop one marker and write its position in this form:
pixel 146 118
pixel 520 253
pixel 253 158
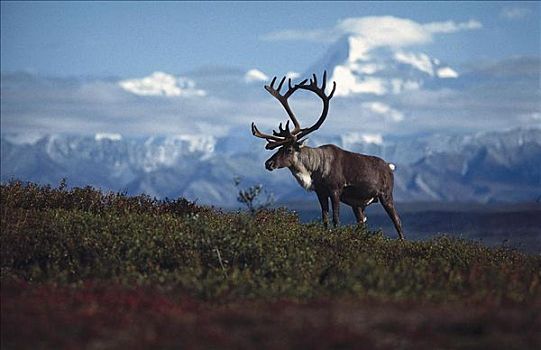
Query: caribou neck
pixel 309 164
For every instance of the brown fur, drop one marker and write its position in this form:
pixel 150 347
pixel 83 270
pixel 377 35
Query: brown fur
pixel 352 178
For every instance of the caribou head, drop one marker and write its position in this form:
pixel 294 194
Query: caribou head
pixel 291 141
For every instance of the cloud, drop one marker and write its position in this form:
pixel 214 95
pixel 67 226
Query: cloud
pixel 161 84
pixel 292 75
pixel 384 110
pixel 377 31
pixel 52 105
pixel 514 13
pixel 451 26
pixel 497 96
pixel 447 72
pixel 255 75
pixel 401 85
pixel 43 105
pixel 368 68
pixel 385 31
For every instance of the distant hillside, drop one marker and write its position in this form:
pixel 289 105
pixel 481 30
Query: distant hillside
pixel 491 167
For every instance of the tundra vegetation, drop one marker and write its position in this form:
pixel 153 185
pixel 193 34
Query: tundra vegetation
pixel 86 269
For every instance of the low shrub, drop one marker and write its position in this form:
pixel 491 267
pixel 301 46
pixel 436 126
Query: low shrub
pixel 69 236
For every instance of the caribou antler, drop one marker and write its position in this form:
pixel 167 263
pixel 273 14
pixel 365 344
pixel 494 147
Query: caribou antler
pixel 284 136
pixel 325 98
pixel 283 99
pixel 272 140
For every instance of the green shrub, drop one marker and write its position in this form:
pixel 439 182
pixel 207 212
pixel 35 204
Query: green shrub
pixel 66 236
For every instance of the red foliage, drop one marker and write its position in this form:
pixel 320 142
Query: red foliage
pixel 114 316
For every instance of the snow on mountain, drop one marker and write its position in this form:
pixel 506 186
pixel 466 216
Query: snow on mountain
pixel 166 151
pixel 108 136
pixel 359 68
pixel 28 138
pixel 351 138
pixel 478 167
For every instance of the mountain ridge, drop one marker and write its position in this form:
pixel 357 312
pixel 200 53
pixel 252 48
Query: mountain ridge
pixel 491 167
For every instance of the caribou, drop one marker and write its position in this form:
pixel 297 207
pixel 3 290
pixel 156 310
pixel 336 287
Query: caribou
pixel 331 172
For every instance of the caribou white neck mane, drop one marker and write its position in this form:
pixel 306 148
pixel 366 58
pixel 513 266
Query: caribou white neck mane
pixel 308 162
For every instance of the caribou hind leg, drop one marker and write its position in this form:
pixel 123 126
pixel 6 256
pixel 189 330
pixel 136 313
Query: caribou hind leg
pixel 388 205
pixel 359 214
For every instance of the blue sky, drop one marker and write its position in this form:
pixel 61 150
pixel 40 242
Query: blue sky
pixel 140 68
pixel 136 38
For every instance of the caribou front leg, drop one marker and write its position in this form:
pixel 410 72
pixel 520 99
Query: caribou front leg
pixel 324 203
pixel 335 201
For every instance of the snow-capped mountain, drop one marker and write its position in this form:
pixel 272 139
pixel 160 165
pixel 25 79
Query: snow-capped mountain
pixel 483 167
pixel 361 69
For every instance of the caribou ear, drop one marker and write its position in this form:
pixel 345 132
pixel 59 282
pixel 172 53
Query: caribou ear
pixel 302 142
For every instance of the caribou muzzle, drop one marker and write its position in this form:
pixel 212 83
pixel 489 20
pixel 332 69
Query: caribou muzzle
pixel 270 165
